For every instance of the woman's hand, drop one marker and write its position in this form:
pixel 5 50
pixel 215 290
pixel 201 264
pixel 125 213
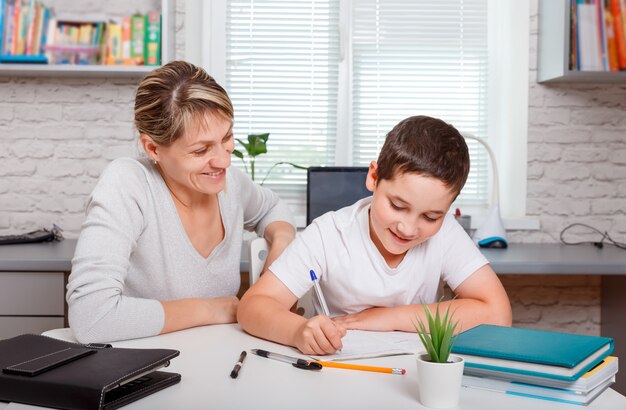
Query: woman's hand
pixel 185 313
pixel 319 335
pixel 223 310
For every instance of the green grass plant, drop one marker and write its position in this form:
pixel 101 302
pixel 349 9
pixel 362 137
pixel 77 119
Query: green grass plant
pixel 439 339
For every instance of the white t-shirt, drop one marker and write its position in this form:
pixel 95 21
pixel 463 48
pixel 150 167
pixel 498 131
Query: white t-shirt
pixel 354 275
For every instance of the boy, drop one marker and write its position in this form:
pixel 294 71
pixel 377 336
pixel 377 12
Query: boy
pixel 378 259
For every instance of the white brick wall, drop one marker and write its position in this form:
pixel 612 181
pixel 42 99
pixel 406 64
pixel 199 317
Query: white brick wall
pixel 576 154
pixel 57 134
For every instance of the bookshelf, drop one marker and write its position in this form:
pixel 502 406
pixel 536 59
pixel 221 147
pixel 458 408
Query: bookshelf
pixel 554 45
pixel 66 70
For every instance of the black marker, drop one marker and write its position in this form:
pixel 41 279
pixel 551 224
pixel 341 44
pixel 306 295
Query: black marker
pixel 235 372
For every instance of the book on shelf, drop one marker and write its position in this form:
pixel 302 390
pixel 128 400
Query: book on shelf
pixel 152 46
pixel 535 391
pixel 617 10
pixel 137 34
pixel 3 6
pixel 558 355
pixel 602 372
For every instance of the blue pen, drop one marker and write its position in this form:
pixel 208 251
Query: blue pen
pixel 318 292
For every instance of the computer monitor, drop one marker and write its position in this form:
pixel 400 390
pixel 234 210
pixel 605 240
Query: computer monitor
pixel 332 188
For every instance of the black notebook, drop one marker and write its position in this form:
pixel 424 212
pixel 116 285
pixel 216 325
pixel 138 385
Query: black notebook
pixel 48 372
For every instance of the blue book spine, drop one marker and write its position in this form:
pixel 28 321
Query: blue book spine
pixel 44 30
pixel 2 7
pixel 8 29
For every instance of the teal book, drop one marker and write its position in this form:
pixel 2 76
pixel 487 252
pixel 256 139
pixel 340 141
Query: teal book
pixel 564 356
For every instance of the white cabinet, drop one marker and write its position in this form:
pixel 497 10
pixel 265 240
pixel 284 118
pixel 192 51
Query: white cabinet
pixel 31 302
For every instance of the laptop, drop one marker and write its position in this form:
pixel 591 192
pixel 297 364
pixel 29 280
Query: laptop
pixel 333 188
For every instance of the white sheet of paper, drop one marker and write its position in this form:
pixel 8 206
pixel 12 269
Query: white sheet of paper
pixel 360 344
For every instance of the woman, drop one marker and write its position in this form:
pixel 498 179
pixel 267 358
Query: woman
pixel 160 247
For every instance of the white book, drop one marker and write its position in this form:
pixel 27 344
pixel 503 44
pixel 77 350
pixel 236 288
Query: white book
pixel 535 391
pixel 589 42
pixel 599 374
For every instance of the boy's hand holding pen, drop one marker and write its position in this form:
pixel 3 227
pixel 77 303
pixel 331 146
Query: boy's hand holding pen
pixel 319 336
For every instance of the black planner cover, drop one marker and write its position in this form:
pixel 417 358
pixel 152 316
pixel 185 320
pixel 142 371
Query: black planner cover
pixel 48 372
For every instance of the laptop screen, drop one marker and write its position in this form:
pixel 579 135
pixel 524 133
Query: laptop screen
pixel 332 188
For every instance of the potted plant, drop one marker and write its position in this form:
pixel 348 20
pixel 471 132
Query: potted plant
pixel 257 145
pixel 439 373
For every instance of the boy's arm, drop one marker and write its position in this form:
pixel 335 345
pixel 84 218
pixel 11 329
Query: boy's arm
pixel 264 312
pixel 279 235
pixel 481 298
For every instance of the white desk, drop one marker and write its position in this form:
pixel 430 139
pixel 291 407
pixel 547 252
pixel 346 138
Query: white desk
pixel 208 354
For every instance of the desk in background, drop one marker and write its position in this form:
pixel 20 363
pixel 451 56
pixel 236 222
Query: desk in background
pixel 208 354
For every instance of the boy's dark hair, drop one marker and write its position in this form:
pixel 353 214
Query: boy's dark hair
pixel 425 146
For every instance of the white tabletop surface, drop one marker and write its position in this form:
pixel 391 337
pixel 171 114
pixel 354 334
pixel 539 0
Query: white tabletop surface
pixel 208 354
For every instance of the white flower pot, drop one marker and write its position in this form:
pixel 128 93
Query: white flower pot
pixel 439 384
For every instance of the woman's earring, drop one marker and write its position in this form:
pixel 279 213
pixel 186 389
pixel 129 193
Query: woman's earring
pixel 155 162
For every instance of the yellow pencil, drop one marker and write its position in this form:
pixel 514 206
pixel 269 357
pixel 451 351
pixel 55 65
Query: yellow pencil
pixel 361 367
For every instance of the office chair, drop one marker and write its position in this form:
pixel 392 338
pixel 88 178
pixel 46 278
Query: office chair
pixel 64 333
pixel 258 254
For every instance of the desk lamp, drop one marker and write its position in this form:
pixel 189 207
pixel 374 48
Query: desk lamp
pixel 492 233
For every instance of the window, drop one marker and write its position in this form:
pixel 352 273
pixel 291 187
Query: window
pixel 328 78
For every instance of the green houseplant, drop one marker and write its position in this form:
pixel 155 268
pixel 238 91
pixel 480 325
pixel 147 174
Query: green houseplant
pixel 438 371
pixel 439 339
pixel 257 145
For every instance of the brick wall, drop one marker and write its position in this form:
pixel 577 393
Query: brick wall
pixel 57 134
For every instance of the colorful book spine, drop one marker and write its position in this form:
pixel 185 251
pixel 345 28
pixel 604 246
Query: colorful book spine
pixel 8 29
pixel 114 42
pixel 152 55
pixel 137 36
pixel 16 27
pixel 3 6
pixel 126 37
pixel 618 14
pixel 611 47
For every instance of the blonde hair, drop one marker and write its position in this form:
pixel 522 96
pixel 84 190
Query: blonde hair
pixel 174 97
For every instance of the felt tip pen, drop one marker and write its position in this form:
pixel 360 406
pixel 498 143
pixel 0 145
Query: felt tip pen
pixel 294 361
pixel 318 292
pixel 235 372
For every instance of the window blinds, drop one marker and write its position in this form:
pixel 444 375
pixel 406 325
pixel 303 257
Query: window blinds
pixel 407 58
pixel 282 76
pixel 420 58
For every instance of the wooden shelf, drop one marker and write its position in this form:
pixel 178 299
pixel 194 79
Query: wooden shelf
pixel 554 45
pixel 67 70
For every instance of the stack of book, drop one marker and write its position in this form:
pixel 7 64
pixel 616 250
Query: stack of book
pixel 23 29
pixel 32 33
pixel 598 35
pixel 556 366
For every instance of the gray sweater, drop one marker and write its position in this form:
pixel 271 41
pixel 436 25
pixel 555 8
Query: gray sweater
pixel 133 251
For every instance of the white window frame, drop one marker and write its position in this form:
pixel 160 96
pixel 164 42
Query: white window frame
pixel 205 40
